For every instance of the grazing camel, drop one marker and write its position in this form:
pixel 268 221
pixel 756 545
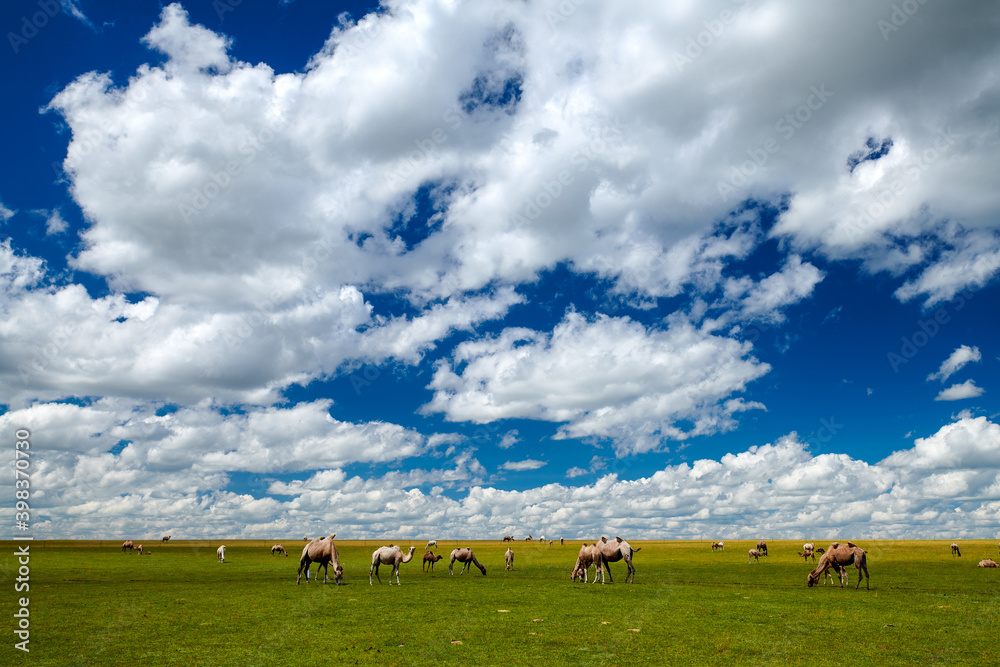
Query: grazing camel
pixel 955 550
pixel 390 555
pixel 464 555
pixel 165 538
pixel 807 554
pixel 762 547
pixel 431 543
pixel 560 541
pixel 589 555
pixel 509 558
pixel 838 557
pixel 127 545
pixel 988 562
pixel 718 546
pixel 528 538
pixel 809 546
pixel 278 549
pixel 753 556
pixel 323 552
pixel 612 552
pixel 430 557
pixel 139 549
pixel 221 553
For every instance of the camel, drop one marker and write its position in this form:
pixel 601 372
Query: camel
pixel 839 557
pixel 612 552
pixel 753 556
pixel 508 538
pixel 560 541
pixel 762 547
pixel 807 554
pixel 464 555
pixel 221 553
pixel 809 546
pixel 589 555
pixel 528 538
pixel 390 555
pixel 988 562
pixel 127 545
pixel 139 549
pixel 431 543
pixel 165 538
pixel 718 546
pixel 509 557
pixel 277 548
pixel 323 552
pixel 430 557
pixel 955 550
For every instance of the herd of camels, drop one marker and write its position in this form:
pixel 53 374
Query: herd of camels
pixel 323 551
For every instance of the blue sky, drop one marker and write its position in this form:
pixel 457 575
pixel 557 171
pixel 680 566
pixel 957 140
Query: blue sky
pixel 726 269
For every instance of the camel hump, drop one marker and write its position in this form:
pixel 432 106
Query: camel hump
pixel 834 545
pixel 603 539
pixel 620 540
pixel 851 544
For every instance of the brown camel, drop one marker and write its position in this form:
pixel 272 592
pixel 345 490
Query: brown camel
pixel 718 546
pixel 612 551
pixel 589 555
pixel 753 556
pixel 762 547
pixel 839 556
pixel 165 538
pixel 430 557
pixel 988 562
pixel 955 550
pixel 278 549
pixel 390 555
pixel 323 552
pixel 127 545
pixel 509 558
pixel 807 554
pixel 464 555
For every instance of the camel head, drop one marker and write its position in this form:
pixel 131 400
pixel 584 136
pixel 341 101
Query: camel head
pixel 811 580
pixel 338 573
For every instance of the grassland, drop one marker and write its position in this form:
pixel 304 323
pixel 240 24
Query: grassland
pixel 90 604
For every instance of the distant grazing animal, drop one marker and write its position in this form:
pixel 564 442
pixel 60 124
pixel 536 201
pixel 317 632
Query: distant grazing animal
pixel 988 562
pixel 809 546
pixel 509 558
pixel 127 545
pixel 808 553
pixel 589 555
pixel 278 549
pixel 762 547
pixel 431 543
pixel 165 538
pixel 528 538
pixel 718 546
pixel 464 555
pixel 139 549
pixel 221 553
pixel 390 555
pixel 839 556
pixel 955 550
pixel 305 537
pixel 430 557
pixel 323 552
pixel 753 556
pixel 560 541
pixel 508 538
pixel 612 551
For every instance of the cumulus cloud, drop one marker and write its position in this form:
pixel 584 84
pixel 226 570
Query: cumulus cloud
pixel 958 359
pixel 526 464
pixel 957 392
pixel 609 378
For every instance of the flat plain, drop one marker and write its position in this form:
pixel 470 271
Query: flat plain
pixel 91 604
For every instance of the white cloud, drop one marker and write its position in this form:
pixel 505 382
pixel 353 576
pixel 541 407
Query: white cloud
pixel 610 377
pixel 957 392
pixel 6 213
pixel 527 464
pixel 958 359
pixel 509 439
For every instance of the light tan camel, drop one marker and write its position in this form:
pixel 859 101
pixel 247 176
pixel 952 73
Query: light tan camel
pixel 839 556
pixel 464 555
pixel 762 547
pixel 138 549
pixel 221 553
pixel 165 538
pixel 988 562
pixel 430 557
pixel 612 551
pixel 509 559
pixel 955 550
pixel 127 545
pixel 589 555
pixel 278 549
pixel 323 552
pixel 809 546
pixel 390 555
pixel 718 546
pixel 753 556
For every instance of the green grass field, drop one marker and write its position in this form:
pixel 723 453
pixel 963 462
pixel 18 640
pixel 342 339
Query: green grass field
pixel 93 605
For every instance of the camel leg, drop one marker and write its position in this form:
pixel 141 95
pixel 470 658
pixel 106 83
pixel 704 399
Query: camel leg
pixel 374 569
pixel 326 573
pixel 396 570
pixel 630 577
